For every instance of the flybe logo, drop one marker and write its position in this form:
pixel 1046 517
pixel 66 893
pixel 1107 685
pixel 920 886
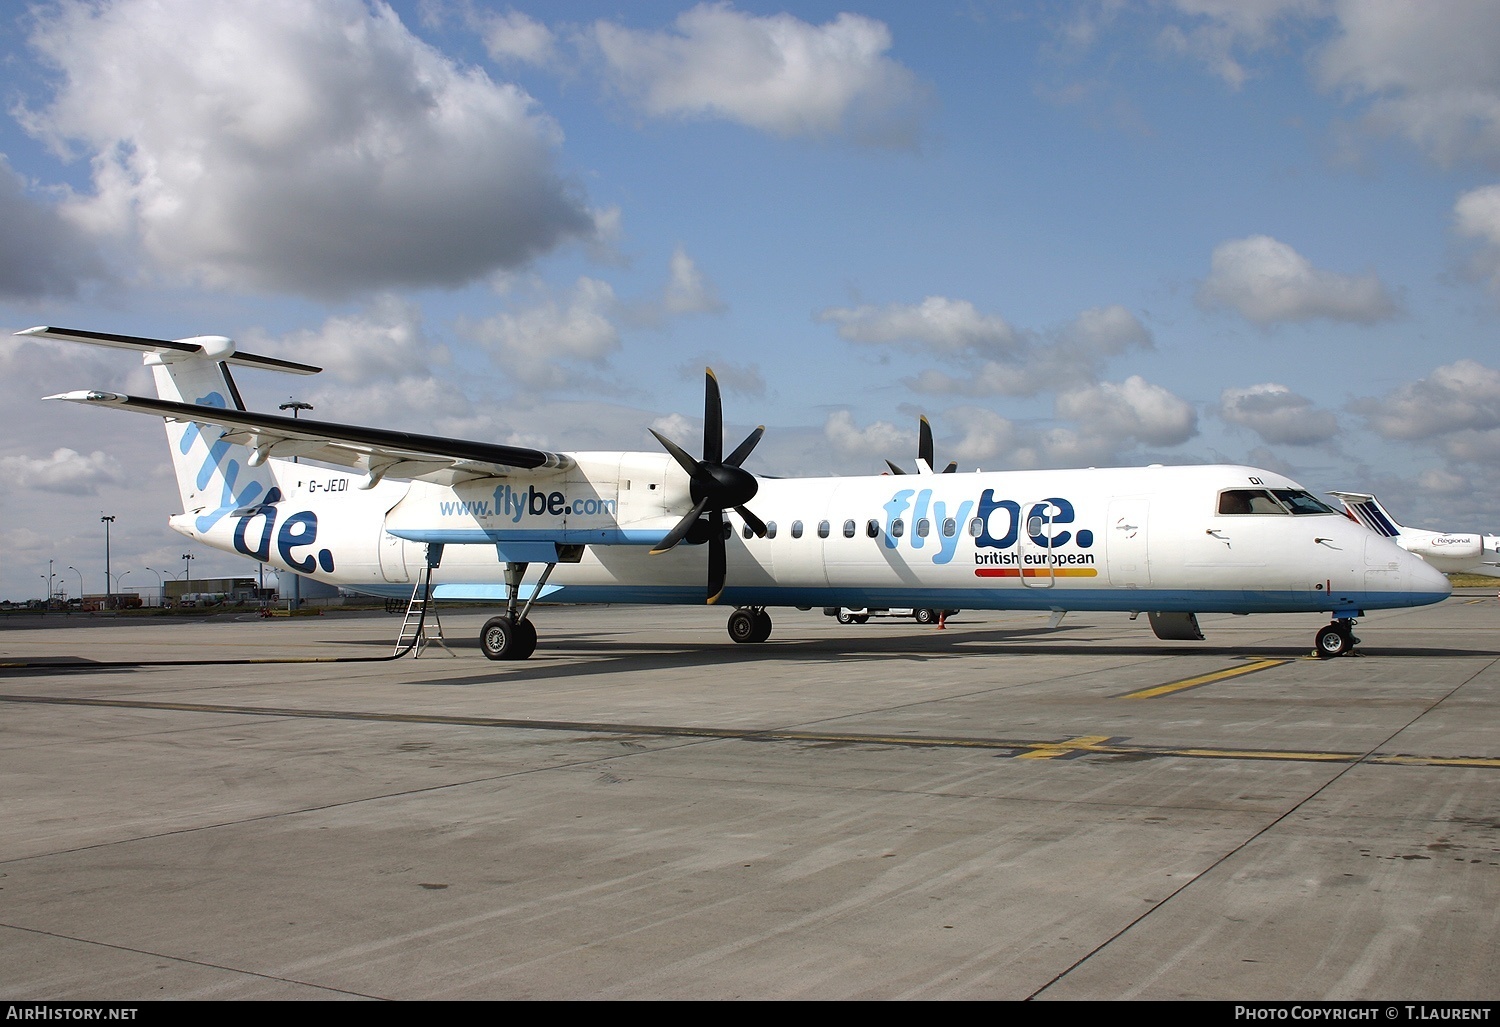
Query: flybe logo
pixel 217 460
pixel 515 504
pixel 999 528
pixel 297 531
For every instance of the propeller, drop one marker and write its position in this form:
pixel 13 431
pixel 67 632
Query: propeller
pixel 718 483
pixel 924 452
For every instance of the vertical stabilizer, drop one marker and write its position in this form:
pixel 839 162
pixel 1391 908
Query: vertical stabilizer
pixel 1366 509
pixel 214 477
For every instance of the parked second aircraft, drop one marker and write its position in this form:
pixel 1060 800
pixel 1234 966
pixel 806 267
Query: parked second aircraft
pixel 1452 552
pixel 378 511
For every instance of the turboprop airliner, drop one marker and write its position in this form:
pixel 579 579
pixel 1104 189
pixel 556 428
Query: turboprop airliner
pixel 390 513
pixel 1452 552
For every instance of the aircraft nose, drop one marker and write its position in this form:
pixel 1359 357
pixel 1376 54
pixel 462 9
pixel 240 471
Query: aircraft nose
pixel 1425 579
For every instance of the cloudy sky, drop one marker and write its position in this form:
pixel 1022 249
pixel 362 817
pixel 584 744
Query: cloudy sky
pixel 1090 233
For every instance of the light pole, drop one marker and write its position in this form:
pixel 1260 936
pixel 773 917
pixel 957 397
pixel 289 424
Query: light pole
pixel 296 407
pixel 161 588
pixel 80 582
pixel 187 577
pixel 106 520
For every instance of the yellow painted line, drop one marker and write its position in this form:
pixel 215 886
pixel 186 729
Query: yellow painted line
pixel 1204 679
pixel 1083 743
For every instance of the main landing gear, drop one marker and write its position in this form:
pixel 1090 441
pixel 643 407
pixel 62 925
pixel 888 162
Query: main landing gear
pixel 1337 639
pixel 511 636
pixel 750 624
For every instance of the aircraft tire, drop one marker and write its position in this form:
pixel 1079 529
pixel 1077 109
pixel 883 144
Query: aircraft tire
pixel 762 626
pixel 747 625
pixel 504 639
pixel 844 618
pixel 861 618
pixel 1333 641
pixel 927 616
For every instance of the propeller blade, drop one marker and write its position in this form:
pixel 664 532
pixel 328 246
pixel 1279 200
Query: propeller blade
pixel 713 420
pixel 677 534
pixel 924 440
pixel 716 560
pixel 743 449
pixel 894 468
pixel 755 523
pixel 678 453
pixel 952 466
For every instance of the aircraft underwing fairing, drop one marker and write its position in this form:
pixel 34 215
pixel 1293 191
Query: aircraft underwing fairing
pixel 383 512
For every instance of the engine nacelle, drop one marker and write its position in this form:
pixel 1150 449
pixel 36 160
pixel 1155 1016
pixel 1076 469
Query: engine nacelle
pixel 1453 547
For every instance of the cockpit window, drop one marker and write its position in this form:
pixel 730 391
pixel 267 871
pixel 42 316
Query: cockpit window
pixel 1299 501
pixel 1249 501
pixel 1271 501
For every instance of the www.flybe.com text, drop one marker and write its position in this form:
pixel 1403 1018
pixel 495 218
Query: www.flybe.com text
pixel 529 502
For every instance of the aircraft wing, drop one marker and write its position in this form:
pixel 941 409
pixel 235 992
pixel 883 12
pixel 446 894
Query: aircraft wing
pixel 376 452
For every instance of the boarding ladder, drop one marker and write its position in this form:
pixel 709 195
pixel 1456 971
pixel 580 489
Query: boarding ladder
pixel 422 624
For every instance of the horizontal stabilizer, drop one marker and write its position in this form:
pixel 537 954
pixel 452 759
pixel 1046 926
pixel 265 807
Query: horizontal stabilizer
pixel 377 452
pixel 215 346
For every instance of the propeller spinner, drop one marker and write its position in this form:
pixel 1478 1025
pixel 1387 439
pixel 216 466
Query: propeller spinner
pixel 718 483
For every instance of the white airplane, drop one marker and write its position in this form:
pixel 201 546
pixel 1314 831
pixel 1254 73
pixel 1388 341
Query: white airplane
pixel 1451 552
pixel 394 513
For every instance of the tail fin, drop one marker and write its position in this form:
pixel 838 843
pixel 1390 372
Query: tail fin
pixel 214 477
pixel 1366 509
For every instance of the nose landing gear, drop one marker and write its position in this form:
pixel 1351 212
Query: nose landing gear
pixel 1337 639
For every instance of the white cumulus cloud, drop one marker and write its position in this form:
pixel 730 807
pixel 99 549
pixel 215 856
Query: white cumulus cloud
pixel 1278 415
pixel 1132 409
pixel 313 148
pixel 776 73
pixel 1463 396
pixel 1268 282
pixel 1427 71
pixel 66 471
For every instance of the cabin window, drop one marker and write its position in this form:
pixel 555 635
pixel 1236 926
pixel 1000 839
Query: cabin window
pixel 746 531
pixel 796 529
pixel 897 528
pixel 976 526
pixel 822 529
pixel 872 528
pixel 923 527
pixel 1249 501
pixel 848 529
pixel 950 528
pixel 770 529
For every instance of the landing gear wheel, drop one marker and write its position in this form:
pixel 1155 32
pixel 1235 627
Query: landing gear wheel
pixel 927 616
pixel 749 625
pixel 1334 640
pixel 762 626
pixel 844 618
pixel 504 639
pixel 861 618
